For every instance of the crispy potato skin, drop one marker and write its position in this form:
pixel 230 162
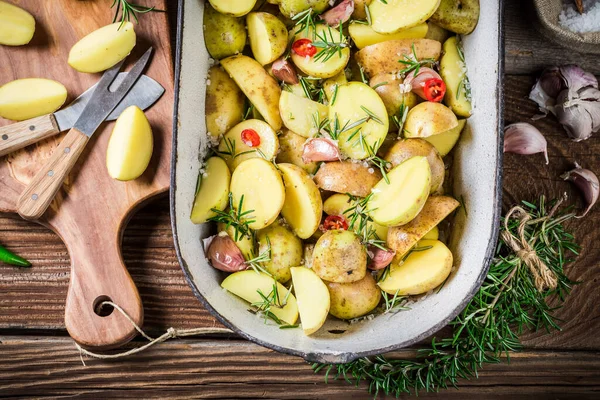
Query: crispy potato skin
pixel 339 256
pixel 383 57
pixel 347 177
pixel 355 299
pixel 404 149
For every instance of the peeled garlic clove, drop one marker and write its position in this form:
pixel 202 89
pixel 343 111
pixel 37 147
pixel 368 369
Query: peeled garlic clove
pixel 224 254
pixel 284 71
pixel 576 120
pixel 587 182
pixel 379 258
pixel 418 82
pixel 339 14
pixel 524 138
pixel 320 149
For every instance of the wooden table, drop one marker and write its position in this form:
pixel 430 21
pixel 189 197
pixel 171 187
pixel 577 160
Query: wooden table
pixel 38 359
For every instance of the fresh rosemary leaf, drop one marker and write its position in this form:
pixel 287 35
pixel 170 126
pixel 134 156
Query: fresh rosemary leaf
pixel 129 10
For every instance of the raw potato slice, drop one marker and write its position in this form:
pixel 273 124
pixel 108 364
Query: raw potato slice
pixel 232 143
pixel 286 250
pixel 433 234
pixel 453 71
pixel 29 98
pixel 17 26
pixel 320 68
pixel 312 297
pixel 212 191
pixel 130 146
pixel 224 35
pixel 237 8
pixel 427 119
pixel 246 284
pixel 404 149
pixel 339 256
pixel 268 36
pixel 394 15
pixel 262 90
pixel 421 272
pixel 338 203
pixel 103 48
pixel 347 177
pixel 405 237
pixel 364 35
pixel 224 103
pixel 260 183
pixel 299 114
pixel 356 101
pixel 445 141
pixel 354 299
pixel 303 205
pixel 291 147
pixel 398 202
pixel 383 57
pixel 244 243
pixel 332 84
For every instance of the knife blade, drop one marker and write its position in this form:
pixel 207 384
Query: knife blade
pixel 40 192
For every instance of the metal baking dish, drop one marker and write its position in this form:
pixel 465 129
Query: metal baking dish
pixel 477 179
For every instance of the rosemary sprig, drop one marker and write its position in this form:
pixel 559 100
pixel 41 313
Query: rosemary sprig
pixel 361 223
pixel 129 10
pixel 235 217
pixel 313 89
pixel 374 159
pixel 393 304
pixel 464 84
pixel 256 261
pixel 305 21
pixel 400 119
pixel 329 45
pixel 412 63
pixel 270 301
pixel 489 327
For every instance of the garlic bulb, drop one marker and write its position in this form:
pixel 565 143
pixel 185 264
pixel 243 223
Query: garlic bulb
pixel 524 138
pixel 587 182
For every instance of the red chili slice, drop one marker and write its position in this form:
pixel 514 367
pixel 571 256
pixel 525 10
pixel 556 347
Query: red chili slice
pixel 336 222
pixel 250 138
pixel 434 89
pixel 304 47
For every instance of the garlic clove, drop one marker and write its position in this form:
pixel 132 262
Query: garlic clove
pixel 574 117
pixel 590 97
pixel 547 87
pixel 418 82
pixel 283 70
pixel 224 254
pixel 575 78
pixel 587 182
pixel 320 149
pixel 379 258
pixel 524 138
pixel 339 14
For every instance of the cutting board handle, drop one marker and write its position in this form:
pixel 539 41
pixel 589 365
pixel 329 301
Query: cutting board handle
pixel 99 274
pixel 21 134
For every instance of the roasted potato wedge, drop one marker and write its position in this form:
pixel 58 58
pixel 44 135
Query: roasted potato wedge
pixel 453 71
pixel 313 299
pixel 268 36
pixel 212 191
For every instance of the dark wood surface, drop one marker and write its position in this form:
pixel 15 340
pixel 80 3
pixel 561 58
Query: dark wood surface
pixel 40 360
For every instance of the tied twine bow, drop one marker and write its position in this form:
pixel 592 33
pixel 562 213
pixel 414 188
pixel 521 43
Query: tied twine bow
pixel 543 277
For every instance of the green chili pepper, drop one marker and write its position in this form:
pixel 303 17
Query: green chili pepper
pixel 12 259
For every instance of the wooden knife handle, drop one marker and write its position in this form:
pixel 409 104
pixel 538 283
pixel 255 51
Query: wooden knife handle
pixel 37 197
pixel 98 274
pixel 21 134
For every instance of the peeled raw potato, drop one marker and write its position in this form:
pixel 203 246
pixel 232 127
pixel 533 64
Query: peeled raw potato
pixel 347 177
pixel 262 90
pixel 286 250
pixel 320 68
pixel 383 57
pixel 244 242
pixel 393 15
pixel 398 202
pixel 130 146
pixel 260 183
pixel 459 16
pixel 269 145
pixel 354 299
pixel 313 299
pixel 29 98
pixel 291 147
pixel 453 71
pixel 237 8
pixel 338 203
pixel 353 101
pixel 299 113
pixel 364 35
pixel 427 119
pixel 339 256
pixel 421 272
pixel 404 149
pixel 246 284
pixel 445 141
pixel 404 237
pixel 224 103
pixel 17 26
pixel 224 35
pixel 103 48
pixel 268 36
pixel 303 206
pixel 212 191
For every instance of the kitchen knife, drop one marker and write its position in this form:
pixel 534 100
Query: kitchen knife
pixel 40 192
pixel 13 137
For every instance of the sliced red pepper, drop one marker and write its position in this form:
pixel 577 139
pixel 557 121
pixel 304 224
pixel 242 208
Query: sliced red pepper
pixel 335 222
pixel 250 138
pixel 434 89
pixel 304 47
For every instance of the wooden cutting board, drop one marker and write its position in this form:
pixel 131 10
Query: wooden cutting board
pixel 92 209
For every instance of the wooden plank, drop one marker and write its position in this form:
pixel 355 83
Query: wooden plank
pixel 195 368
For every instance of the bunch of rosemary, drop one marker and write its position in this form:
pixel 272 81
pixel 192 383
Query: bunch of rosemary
pixel 507 303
